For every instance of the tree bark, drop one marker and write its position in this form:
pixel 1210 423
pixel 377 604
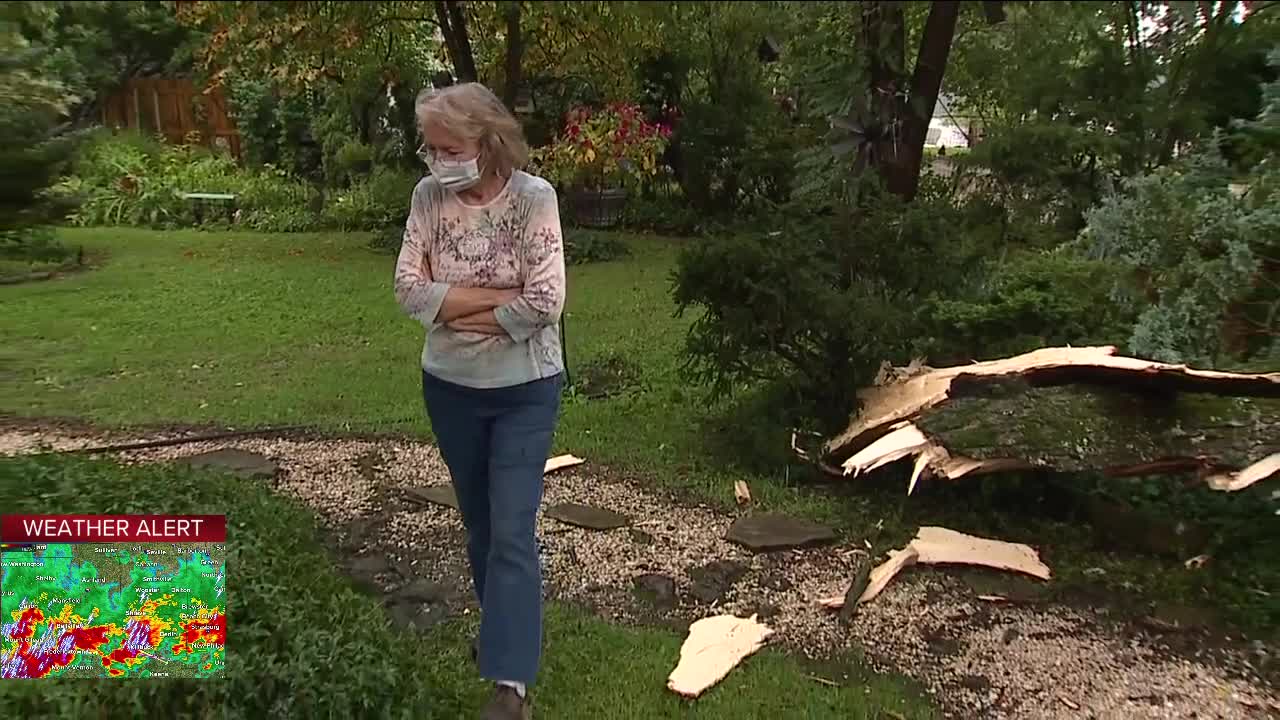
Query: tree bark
pixel 900 110
pixel 515 53
pixel 453 25
pixel 926 83
pixel 884 39
pixel 1079 428
pixel 1064 409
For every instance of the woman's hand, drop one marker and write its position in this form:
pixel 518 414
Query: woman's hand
pixel 460 302
pixel 508 295
pixel 484 323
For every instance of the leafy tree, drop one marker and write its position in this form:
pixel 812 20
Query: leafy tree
pixel 452 22
pixel 93 47
pixel 1260 138
pixel 1200 258
pixel 311 81
pixel 1072 97
pixel 885 117
pixel 33 148
pixel 851 65
pixel 728 161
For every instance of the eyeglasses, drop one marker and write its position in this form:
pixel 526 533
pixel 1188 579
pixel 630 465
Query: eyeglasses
pixel 428 155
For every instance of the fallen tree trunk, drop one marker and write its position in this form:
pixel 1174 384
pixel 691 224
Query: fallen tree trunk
pixel 1069 410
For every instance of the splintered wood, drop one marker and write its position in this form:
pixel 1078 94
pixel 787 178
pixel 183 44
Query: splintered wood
pixel 941 546
pixel 714 647
pixel 939 417
pixel 905 440
pixel 560 462
pixel 1261 470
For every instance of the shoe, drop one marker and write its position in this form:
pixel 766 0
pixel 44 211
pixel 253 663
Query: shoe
pixel 506 704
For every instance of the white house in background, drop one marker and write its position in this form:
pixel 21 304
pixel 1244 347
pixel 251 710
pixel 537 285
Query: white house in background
pixel 943 133
pixel 947 128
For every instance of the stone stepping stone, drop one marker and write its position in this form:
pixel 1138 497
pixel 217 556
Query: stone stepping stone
pixel 434 494
pixel 658 590
pixel 369 565
pixel 419 591
pixel 240 463
pixel 416 616
pixel 365 571
pixel 592 518
pixel 767 532
pixel 710 582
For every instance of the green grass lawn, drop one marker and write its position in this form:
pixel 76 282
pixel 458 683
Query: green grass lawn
pixel 253 329
pixel 303 642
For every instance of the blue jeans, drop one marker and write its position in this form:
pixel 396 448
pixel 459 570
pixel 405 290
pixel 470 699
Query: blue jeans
pixel 495 443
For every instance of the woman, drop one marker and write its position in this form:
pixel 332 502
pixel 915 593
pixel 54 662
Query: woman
pixel 482 268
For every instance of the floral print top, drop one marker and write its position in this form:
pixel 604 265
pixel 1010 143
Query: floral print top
pixel 513 241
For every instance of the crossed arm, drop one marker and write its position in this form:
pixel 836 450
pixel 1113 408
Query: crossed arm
pixel 471 309
pixel 430 302
pixel 512 312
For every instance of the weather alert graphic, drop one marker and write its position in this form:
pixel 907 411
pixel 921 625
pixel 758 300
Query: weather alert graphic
pixel 112 596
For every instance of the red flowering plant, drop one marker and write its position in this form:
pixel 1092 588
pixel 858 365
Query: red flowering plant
pixel 601 149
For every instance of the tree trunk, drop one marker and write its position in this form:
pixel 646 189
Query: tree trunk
pixel 899 110
pixel 884 39
pixel 1064 409
pixel 453 25
pixel 1079 428
pixel 926 83
pixel 515 52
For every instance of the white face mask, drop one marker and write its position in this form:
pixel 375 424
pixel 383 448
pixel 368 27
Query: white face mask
pixel 455 175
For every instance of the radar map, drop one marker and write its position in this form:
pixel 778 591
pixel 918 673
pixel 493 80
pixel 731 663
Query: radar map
pixel 107 610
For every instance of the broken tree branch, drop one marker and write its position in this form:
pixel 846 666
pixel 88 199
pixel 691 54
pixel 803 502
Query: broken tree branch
pixel 1067 410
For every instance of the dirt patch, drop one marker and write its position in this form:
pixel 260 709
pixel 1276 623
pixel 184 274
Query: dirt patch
pixel 1026 658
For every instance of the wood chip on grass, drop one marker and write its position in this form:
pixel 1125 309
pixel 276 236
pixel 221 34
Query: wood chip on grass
pixel 560 462
pixel 714 647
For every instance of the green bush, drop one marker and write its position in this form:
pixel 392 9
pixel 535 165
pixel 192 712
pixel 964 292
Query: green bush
pixel 271 201
pixel 352 160
pixel 136 181
pixel 379 200
pixel 1200 259
pixel 1043 174
pixel 664 213
pixel 1034 300
pixel 32 150
pixel 735 162
pixel 128 179
pixel 589 246
pixel 821 301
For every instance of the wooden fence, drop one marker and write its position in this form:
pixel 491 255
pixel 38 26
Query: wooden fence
pixel 174 109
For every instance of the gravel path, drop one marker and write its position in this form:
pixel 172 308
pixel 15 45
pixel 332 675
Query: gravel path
pixel 979 659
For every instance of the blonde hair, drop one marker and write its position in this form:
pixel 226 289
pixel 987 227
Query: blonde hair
pixel 471 111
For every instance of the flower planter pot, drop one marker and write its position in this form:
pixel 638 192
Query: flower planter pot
pixel 599 208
